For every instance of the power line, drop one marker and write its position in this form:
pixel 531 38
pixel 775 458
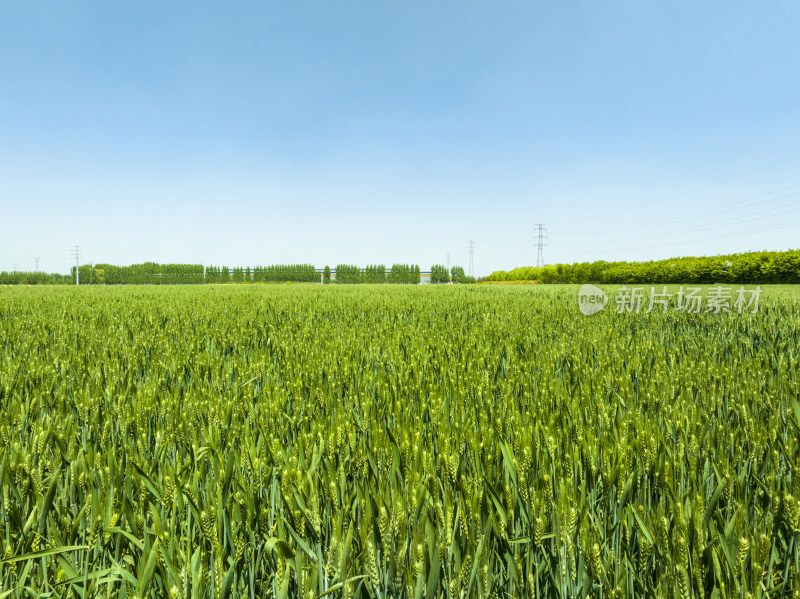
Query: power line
pixel 30 254
pixel 719 223
pixel 714 219
pixel 7 244
pixel 713 212
pixel 540 244
pixel 471 247
pixel 740 233
pixel 77 266
pixel 697 188
pixel 710 211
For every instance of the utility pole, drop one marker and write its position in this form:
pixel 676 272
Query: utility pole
pixel 471 248
pixel 77 266
pixel 540 244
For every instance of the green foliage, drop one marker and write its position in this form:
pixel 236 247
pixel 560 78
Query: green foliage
pixel 457 274
pixel 400 273
pixel 375 273
pixel 441 442
pixel 407 274
pixel 88 275
pixel 747 268
pixel 148 273
pixel 35 278
pixel 286 273
pixel 326 275
pixel 215 274
pixel 439 274
pixel 348 274
pixel 151 273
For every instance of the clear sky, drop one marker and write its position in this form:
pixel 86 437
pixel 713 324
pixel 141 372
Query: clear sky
pixel 382 131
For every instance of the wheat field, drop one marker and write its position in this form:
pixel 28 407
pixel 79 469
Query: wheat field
pixel 394 441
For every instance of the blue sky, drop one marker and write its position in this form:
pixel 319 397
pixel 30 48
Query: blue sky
pixel 387 131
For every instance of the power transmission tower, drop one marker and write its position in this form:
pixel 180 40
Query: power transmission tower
pixel 77 266
pixel 36 260
pixel 448 261
pixel 471 248
pixel 540 244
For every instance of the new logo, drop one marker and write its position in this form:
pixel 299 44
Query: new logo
pixel 591 299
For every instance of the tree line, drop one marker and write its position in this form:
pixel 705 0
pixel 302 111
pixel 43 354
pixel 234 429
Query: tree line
pixel 440 274
pixel 746 268
pixel 348 274
pixel 19 277
pixel 153 273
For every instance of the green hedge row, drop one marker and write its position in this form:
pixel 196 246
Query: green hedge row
pixel 404 273
pixel 158 274
pixel 349 274
pixel 750 268
pixel 149 273
pixel 18 277
pixel 284 273
pixel 440 274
